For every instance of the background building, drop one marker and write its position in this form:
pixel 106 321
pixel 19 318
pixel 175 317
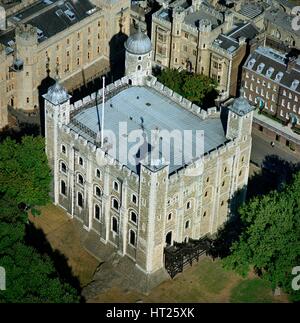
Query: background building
pixel 77 40
pixel 203 40
pixel 271 82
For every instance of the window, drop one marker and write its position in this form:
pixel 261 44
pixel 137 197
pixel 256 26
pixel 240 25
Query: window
pixel 139 67
pixel 98 191
pixel 80 179
pixel 133 217
pixel 63 167
pixel 63 149
pixel 222 203
pixel 277 138
pixel 140 58
pixel 98 173
pixel 116 186
pixel 63 189
pixel 80 161
pixel 132 236
pixel 97 212
pixel 206 194
pixel 223 183
pixel 207 180
pixel 134 198
pixel 79 199
pixel 261 128
pixel 188 205
pixel 186 35
pixel 204 214
pixel 169 216
pixel 115 204
pixel 187 224
pixel 240 173
pixel 27 100
pixel 115 225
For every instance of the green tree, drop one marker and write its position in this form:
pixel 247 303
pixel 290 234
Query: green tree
pixel 200 89
pixel 270 241
pixel 30 277
pixel 25 181
pixel 24 171
pixel 173 79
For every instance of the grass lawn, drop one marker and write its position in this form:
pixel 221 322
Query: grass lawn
pixel 252 291
pixel 205 282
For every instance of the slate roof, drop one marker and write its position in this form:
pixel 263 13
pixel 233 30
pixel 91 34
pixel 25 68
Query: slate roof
pixel 273 59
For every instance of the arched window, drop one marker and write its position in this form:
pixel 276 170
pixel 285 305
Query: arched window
pixel 188 205
pixel 97 212
pixel 169 216
pixel 114 225
pixel 80 161
pixel 80 179
pixel 115 204
pixel 134 198
pixel 98 191
pixel 187 224
pixel 140 58
pixel 98 173
pixel 132 238
pixel 139 67
pixel 79 199
pixel 63 167
pixel 116 186
pixel 63 189
pixel 133 216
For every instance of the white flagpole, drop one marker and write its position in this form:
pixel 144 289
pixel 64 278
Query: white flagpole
pixel 103 102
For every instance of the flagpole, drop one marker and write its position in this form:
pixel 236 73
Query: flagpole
pixel 102 118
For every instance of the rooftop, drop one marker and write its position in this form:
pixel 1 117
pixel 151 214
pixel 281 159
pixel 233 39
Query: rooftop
pixel 280 18
pixel 273 65
pixel 50 17
pixel 147 109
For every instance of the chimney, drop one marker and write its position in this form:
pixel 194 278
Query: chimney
pixel 291 63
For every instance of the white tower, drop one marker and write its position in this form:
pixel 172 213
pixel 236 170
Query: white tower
pixel 138 57
pixel 57 113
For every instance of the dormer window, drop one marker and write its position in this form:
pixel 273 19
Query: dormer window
pixel 260 67
pixel 278 77
pixel 251 63
pixel 270 71
pixel 295 84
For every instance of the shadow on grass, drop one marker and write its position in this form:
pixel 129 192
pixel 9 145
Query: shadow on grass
pixel 274 175
pixel 23 129
pixel 36 238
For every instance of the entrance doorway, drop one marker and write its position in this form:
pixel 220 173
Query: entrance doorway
pixel 169 238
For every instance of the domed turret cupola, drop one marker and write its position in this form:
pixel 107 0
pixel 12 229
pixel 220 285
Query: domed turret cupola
pixel 239 123
pixel 138 57
pixel 57 94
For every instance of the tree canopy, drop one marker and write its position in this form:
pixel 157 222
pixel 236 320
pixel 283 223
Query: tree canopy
pixel 270 241
pixel 198 88
pixel 25 180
